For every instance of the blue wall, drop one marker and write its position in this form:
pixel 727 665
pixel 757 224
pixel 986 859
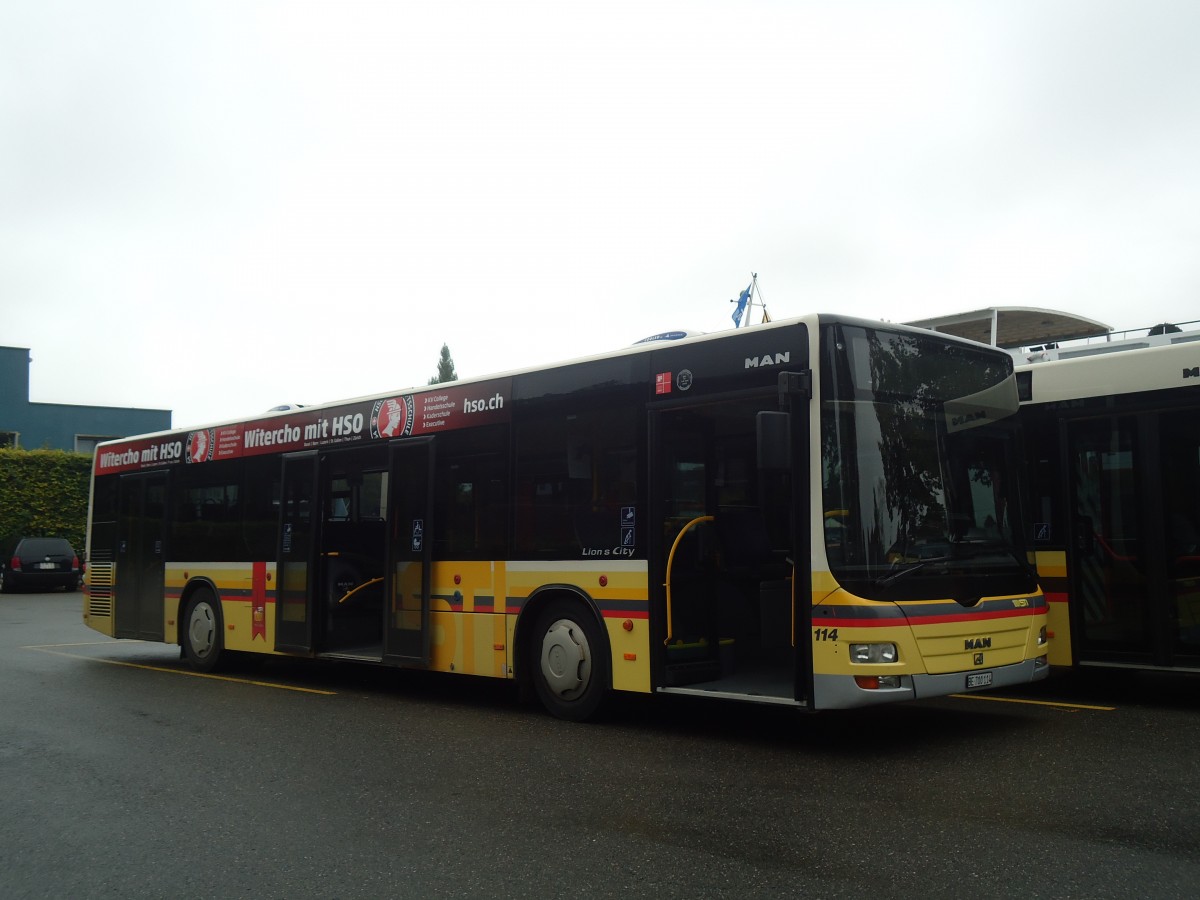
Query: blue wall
pixel 55 425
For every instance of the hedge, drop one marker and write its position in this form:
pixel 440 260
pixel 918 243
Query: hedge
pixel 44 493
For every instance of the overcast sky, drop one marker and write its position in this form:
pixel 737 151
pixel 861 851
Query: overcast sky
pixel 217 207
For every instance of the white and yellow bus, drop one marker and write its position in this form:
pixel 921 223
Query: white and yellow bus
pixel 819 513
pixel 1112 429
pixel 1114 438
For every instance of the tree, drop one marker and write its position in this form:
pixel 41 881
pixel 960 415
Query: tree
pixel 445 369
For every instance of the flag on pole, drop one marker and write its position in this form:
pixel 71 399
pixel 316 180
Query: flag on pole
pixel 742 300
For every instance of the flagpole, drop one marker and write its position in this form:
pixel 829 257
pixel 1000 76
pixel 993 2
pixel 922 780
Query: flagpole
pixel 761 302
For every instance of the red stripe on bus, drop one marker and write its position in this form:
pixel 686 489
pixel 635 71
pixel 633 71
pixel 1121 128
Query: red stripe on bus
pixel 836 622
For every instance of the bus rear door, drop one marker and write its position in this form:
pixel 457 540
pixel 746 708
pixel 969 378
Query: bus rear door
pixel 141 529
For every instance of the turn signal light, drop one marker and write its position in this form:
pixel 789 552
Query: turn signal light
pixel 876 682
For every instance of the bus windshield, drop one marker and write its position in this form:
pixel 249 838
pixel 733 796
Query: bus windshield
pixel 918 444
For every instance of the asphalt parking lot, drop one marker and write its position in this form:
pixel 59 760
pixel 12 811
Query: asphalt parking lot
pixel 125 774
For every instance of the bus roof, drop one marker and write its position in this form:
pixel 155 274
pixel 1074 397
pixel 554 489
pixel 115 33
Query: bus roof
pixel 1121 367
pixel 445 402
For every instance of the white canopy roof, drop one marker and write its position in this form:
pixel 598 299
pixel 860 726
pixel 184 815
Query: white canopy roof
pixel 1011 327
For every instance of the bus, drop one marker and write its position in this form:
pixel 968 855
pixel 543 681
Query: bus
pixel 820 513
pixel 1112 429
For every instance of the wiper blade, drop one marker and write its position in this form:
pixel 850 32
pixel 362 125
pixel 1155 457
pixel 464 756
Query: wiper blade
pixel 896 574
pixel 885 580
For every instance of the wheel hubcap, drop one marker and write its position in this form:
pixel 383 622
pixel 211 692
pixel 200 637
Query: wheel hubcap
pixel 566 659
pixel 202 629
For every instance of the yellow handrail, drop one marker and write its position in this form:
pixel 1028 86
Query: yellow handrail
pixel 670 562
pixel 350 593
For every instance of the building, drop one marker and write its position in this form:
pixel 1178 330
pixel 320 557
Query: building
pixel 61 426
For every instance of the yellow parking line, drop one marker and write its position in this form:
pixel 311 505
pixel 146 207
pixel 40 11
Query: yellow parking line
pixel 120 662
pixel 1034 702
pixel 110 642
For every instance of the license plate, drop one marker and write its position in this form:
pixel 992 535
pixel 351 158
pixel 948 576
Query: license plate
pixel 45 565
pixel 979 679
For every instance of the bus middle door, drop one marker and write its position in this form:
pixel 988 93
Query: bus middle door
pixel 410 555
pixel 299 518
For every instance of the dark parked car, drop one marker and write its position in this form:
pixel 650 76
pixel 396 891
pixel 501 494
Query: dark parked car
pixel 39 562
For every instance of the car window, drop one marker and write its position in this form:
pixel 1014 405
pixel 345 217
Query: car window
pixel 45 547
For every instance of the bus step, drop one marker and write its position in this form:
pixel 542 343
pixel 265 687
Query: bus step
pixel 693 672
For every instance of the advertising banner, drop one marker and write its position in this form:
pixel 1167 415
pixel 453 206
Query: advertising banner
pixel 443 407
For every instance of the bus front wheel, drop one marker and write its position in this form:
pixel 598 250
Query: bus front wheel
pixel 570 661
pixel 203 641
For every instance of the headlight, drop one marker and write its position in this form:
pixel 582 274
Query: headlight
pixel 1042 636
pixel 873 653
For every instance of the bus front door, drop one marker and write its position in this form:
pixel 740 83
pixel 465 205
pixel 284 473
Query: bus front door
pixel 722 551
pixel 1133 562
pixel 406 636
pixel 298 521
pixel 1115 590
pixel 141 529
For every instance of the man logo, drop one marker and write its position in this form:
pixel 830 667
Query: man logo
pixel 1193 372
pixel 755 362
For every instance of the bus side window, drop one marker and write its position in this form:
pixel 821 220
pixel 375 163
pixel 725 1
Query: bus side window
pixel 261 519
pixel 469 494
pixel 206 513
pixel 577 485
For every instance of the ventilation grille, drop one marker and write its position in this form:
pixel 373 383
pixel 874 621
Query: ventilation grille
pixel 100 588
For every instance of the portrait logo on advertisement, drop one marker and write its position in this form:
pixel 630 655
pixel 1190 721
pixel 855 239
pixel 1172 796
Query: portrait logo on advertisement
pixel 392 418
pixel 200 446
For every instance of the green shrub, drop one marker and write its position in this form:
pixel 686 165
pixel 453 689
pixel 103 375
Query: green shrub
pixel 44 493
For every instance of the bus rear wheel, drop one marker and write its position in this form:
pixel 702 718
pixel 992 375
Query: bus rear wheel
pixel 570 661
pixel 203 640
